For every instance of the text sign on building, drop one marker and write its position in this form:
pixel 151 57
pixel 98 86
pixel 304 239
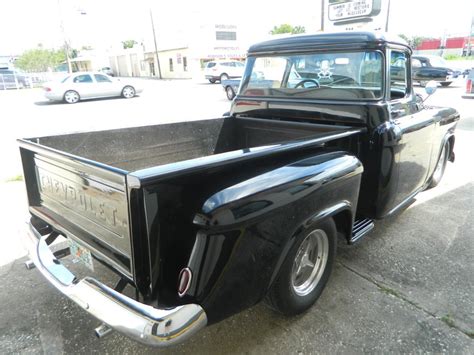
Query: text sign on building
pixel 347 15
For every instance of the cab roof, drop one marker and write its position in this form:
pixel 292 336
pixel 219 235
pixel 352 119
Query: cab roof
pixel 336 40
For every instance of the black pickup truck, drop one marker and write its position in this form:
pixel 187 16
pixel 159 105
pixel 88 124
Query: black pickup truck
pixel 204 219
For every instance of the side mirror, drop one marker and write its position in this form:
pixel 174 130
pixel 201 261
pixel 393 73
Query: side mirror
pixel 431 87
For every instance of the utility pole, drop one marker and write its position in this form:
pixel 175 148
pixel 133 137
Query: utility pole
pixel 66 44
pixel 471 31
pixel 388 13
pixel 156 46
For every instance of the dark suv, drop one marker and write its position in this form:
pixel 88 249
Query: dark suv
pixel 13 79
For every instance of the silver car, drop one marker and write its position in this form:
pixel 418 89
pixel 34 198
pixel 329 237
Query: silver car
pixel 89 85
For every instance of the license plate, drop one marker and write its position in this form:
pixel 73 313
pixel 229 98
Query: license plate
pixel 81 254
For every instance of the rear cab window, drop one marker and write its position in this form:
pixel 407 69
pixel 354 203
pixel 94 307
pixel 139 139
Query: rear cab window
pixel 339 76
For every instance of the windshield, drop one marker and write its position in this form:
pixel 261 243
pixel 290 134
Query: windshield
pixel 339 76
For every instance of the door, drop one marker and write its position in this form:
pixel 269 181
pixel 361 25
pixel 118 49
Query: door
pixel 416 126
pixel 84 85
pixel 105 86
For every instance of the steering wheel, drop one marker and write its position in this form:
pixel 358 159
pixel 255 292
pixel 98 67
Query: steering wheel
pixel 302 82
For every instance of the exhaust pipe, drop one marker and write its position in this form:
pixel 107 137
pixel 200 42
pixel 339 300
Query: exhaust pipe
pixel 102 330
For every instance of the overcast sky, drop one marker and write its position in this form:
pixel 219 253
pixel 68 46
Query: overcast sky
pixel 26 23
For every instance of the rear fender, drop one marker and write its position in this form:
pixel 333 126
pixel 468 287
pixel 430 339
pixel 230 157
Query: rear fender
pixel 330 212
pixel 279 187
pixel 246 230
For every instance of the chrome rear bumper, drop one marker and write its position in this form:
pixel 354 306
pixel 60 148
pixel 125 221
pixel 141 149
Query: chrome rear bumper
pixel 143 323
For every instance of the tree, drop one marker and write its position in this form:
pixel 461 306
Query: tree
pixel 298 29
pixel 287 28
pixel 414 41
pixel 129 43
pixel 40 59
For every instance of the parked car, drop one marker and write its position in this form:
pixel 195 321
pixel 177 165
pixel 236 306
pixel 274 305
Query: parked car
pixel 108 71
pixel 13 79
pixel 469 94
pixel 231 87
pixel 89 85
pixel 206 218
pixel 223 70
pixel 430 67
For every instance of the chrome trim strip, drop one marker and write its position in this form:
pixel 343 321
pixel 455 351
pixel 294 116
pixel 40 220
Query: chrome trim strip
pixel 143 323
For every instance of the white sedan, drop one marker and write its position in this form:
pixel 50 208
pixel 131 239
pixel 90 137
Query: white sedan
pixel 89 85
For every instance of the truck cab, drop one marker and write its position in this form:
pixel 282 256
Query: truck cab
pixel 361 79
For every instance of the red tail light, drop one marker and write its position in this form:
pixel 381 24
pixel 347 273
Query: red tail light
pixel 47 89
pixel 184 281
pixel 468 86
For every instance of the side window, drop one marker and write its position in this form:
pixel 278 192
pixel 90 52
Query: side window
pixel 101 78
pixel 82 79
pixel 415 63
pixel 398 75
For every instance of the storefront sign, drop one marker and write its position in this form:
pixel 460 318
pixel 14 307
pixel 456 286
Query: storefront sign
pixel 348 15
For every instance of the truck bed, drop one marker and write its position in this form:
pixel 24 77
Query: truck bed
pixel 87 186
pixel 138 148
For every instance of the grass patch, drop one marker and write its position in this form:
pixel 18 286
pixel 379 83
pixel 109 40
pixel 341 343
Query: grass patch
pixel 15 178
pixel 389 291
pixel 457 57
pixel 448 320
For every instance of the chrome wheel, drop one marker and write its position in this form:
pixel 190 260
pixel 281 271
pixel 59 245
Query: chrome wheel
pixel 230 93
pixel 71 97
pixel 310 262
pixel 441 164
pixel 128 92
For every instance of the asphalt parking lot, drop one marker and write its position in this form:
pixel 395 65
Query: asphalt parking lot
pixel 406 288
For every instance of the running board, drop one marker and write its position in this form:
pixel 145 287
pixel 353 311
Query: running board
pixel 360 229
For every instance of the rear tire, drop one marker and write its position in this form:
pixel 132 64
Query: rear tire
pixel 212 81
pixel 446 83
pixel 440 166
pixel 224 77
pixel 306 269
pixel 71 97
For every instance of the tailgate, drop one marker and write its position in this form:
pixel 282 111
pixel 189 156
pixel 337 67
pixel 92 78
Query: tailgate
pixel 82 199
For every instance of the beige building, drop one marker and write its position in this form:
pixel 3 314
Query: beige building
pixel 182 55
